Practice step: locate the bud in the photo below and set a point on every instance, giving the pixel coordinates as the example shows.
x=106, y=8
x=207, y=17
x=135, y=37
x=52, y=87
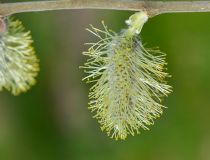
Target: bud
x=3, y=25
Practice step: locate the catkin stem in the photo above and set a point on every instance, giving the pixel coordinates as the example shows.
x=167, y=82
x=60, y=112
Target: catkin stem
x=153, y=8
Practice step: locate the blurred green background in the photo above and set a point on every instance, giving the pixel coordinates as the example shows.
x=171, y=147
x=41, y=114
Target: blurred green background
x=52, y=122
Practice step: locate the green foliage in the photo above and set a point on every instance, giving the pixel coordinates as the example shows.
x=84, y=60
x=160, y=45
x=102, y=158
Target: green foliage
x=129, y=80
x=18, y=62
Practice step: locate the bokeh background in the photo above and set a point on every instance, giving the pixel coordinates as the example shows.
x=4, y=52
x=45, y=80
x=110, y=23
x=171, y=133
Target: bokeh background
x=52, y=122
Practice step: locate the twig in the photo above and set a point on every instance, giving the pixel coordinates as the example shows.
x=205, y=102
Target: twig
x=152, y=7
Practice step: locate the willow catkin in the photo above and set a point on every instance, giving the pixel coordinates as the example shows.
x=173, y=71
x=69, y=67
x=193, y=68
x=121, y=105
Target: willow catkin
x=18, y=63
x=128, y=79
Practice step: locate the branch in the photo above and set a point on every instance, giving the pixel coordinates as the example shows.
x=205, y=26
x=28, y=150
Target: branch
x=153, y=8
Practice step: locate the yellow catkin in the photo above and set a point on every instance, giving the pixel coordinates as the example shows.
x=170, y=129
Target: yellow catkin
x=128, y=79
x=18, y=63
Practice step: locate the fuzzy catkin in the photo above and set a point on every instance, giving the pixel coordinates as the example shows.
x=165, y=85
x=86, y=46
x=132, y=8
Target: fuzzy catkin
x=18, y=63
x=128, y=80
